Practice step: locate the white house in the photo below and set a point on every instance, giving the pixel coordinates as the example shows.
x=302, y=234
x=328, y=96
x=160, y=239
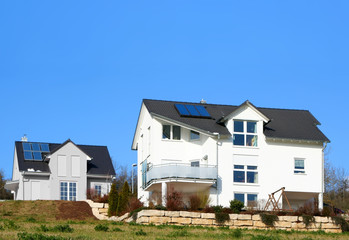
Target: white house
x=233, y=152
x=50, y=171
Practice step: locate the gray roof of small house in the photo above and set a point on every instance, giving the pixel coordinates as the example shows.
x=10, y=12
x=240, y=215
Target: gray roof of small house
x=284, y=123
x=101, y=163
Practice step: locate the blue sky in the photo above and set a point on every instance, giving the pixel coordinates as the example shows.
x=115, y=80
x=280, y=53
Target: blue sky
x=80, y=69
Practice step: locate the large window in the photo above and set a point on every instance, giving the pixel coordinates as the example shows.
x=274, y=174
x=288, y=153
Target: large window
x=171, y=132
x=245, y=133
x=299, y=167
x=245, y=174
x=248, y=199
x=68, y=191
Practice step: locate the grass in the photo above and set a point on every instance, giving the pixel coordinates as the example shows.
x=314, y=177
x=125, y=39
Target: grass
x=35, y=226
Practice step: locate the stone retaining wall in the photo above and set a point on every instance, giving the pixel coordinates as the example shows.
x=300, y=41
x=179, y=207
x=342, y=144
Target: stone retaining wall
x=157, y=217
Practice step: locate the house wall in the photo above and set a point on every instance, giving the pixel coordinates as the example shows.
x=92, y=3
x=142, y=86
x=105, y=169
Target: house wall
x=275, y=160
x=105, y=186
x=69, y=151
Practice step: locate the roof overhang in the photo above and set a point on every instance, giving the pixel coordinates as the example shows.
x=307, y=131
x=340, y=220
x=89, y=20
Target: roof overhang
x=33, y=173
x=251, y=106
x=293, y=140
x=100, y=176
x=11, y=185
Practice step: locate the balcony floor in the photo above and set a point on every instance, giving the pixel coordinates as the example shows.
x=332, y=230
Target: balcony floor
x=182, y=185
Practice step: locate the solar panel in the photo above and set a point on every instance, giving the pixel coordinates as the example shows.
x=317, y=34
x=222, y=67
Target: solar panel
x=44, y=147
x=28, y=155
x=37, y=156
x=26, y=146
x=192, y=110
x=182, y=110
x=35, y=147
x=202, y=110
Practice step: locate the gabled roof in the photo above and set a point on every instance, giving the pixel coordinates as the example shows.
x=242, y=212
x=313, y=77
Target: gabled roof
x=283, y=123
x=101, y=163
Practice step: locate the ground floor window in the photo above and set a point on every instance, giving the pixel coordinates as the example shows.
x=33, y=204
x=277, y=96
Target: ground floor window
x=98, y=190
x=68, y=191
x=248, y=199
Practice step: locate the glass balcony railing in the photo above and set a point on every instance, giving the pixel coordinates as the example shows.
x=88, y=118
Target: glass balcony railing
x=182, y=171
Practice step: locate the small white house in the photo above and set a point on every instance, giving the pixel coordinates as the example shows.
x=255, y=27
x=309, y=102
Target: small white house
x=233, y=152
x=50, y=171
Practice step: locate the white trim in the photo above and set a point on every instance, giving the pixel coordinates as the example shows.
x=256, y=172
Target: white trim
x=248, y=104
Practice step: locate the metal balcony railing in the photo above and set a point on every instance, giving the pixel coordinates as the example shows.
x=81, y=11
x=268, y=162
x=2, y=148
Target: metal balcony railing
x=182, y=171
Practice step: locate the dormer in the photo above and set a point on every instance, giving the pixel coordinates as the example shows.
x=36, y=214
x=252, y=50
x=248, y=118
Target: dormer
x=245, y=124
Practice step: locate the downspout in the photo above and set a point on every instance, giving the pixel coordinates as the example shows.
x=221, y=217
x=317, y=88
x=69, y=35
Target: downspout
x=217, y=144
x=23, y=184
x=323, y=174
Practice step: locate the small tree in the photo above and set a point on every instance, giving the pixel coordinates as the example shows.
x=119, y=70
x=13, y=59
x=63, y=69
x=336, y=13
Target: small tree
x=123, y=198
x=113, y=200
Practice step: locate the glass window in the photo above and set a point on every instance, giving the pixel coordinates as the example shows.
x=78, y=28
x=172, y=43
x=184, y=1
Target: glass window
x=176, y=132
x=238, y=126
x=72, y=191
x=195, y=164
x=64, y=191
x=239, y=166
x=251, y=140
x=239, y=176
x=240, y=197
x=252, y=177
x=245, y=176
x=251, y=127
x=194, y=135
x=166, y=131
x=239, y=139
x=252, y=200
x=98, y=189
x=299, y=166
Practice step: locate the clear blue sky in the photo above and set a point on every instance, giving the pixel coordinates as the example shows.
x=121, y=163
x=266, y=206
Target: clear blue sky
x=80, y=69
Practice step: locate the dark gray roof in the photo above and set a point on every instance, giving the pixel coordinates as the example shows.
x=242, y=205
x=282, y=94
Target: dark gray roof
x=100, y=164
x=284, y=123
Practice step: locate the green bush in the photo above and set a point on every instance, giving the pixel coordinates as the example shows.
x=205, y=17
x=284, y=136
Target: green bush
x=236, y=206
x=264, y=237
x=43, y=228
x=221, y=217
x=37, y=236
x=160, y=207
x=2, y=228
x=116, y=229
x=30, y=219
x=141, y=233
x=113, y=200
x=11, y=225
x=63, y=228
x=341, y=222
x=236, y=233
x=268, y=219
x=307, y=220
x=123, y=199
x=101, y=228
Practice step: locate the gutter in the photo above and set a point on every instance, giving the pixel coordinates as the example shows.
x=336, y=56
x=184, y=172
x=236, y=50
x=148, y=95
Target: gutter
x=99, y=176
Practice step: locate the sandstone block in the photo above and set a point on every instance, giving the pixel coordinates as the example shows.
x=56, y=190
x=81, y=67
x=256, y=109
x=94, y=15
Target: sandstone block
x=189, y=214
x=259, y=224
x=159, y=220
x=123, y=217
x=208, y=215
x=151, y=213
x=243, y=223
x=233, y=216
x=256, y=217
x=181, y=220
x=333, y=230
x=288, y=218
x=244, y=217
x=172, y=213
x=103, y=210
x=296, y=226
x=322, y=219
x=96, y=205
x=329, y=226
x=142, y=220
x=282, y=224
x=200, y=221
x=106, y=205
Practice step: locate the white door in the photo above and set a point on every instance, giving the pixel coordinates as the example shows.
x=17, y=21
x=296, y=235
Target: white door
x=35, y=190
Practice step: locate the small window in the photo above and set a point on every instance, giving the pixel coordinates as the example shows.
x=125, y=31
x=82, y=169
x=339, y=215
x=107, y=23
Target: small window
x=252, y=200
x=238, y=126
x=194, y=135
x=245, y=133
x=243, y=175
x=176, y=132
x=239, y=175
x=98, y=189
x=195, y=164
x=240, y=197
x=166, y=131
x=299, y=166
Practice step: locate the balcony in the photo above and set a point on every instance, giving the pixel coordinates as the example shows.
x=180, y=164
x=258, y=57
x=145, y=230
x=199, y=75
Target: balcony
x=204, y=174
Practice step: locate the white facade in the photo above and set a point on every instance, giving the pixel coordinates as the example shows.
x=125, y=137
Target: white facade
x=270, y=164
x=67, y=180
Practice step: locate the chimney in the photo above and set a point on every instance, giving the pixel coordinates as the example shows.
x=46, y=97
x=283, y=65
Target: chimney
x=24, y=138
x=203, y=101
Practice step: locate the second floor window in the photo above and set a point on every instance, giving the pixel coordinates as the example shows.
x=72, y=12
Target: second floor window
x=245, y=174
x=171, y=132
x=299, y=166
x=245, y=133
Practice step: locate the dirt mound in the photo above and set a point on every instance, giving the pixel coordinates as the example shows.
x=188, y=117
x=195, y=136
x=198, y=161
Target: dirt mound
x=74, y=210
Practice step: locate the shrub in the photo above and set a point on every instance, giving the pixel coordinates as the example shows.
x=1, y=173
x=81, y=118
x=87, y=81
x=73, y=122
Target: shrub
x=327, y=211
x=31, y=219
x=1, y=228
x=43, y=228
x=101, y=228
x=37, y=236
x=236, y=206
x=123, y=199
x=116, y=229
x=236, y=233
x=11, y=225
x=103, y=199
x=91, y=194
x=174, y=201
x=134, y=203
x=113, y=200
x=341, y=222
x=178, y=233
x=194, y=202
x=307, y=219
x=204, y=199
x=264, y=237
x=62, y=228
x=221, y=217
x=268, y=219
x=160, y=207
x=141, y=233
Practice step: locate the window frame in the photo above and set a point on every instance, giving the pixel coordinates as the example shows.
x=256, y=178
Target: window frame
x=98, y=190
x=245, y=194
x=245, y=169
x=68, y=196
x=245, y=134
x=196, y=134
x=299, y=171
x=171, y=133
